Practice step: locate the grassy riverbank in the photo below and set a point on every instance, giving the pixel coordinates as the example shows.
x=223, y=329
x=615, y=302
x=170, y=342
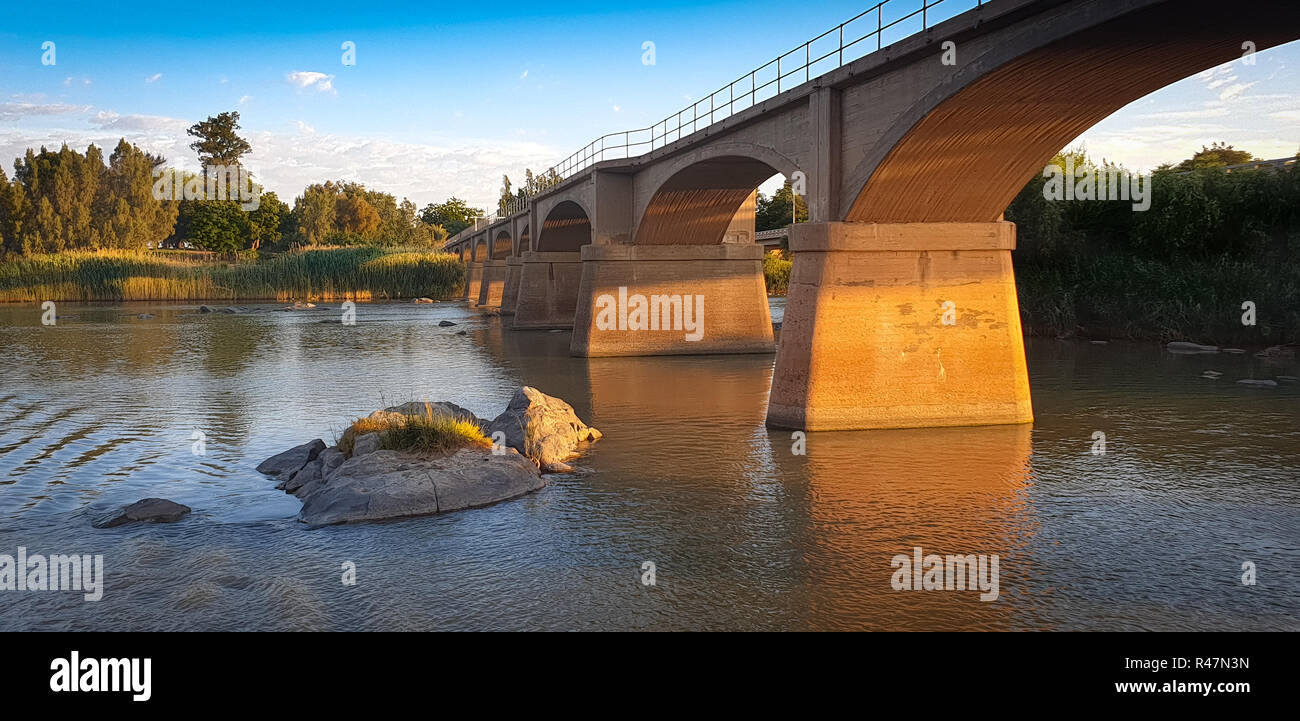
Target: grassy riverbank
x=362, y=273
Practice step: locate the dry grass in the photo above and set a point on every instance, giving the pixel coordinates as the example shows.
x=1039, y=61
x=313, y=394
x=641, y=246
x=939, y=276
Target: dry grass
x=426, y=433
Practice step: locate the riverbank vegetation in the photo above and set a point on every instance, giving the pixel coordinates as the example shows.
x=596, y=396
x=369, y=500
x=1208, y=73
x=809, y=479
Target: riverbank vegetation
x=1182, y=270
x=355, y=273
x=776, y=271
x=65, y=200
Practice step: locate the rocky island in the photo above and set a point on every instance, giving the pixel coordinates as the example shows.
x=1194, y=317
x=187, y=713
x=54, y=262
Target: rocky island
x=421, y=458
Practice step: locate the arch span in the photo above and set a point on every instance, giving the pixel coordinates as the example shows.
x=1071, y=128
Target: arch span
x=566, y=229
x=963, y=151
x=502, y=245
x=524, y=242
x=699, y=197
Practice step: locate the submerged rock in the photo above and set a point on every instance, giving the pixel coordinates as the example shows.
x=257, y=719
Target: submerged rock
x=1185, y=347
x=148, y=510
x=446, y=324
x=282, y=466
x=206, y=309
x=1287, y=350
x=423, y=300
x=542, y=427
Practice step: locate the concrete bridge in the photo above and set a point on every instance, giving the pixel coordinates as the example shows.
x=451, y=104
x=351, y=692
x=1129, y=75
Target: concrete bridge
x=911, y=128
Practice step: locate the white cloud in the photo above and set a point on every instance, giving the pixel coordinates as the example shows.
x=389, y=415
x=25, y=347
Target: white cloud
x=153, y=78
x=309, y=78
x=14, y=111
x=524, y=75
x=243, y=99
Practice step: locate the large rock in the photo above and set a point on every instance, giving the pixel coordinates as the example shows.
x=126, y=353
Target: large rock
x=393, y=484
x=148, y=510
x=282, y=466
x=542, y=427
x=308, y=474
x=364, y=444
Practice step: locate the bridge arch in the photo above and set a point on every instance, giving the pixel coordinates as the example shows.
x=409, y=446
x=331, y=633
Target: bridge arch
x=695, y=197
x=524, y=241
x=479, y=250
x=502, y=245
x=566, y=228
x=964, y=150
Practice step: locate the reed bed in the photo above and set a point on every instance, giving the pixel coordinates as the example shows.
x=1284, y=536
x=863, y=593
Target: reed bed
x=316, y=274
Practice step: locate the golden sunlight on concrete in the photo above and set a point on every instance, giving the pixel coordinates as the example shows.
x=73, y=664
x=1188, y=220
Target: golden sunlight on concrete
x=699, y=299
x=899, y=326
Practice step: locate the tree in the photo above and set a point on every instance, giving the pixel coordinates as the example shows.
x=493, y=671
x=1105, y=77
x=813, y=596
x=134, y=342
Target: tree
x=265, y=221
x=314, y=211
x=217, y=143
x=218, y=225
x=453, y=215
x=356, y=216
x=1216, y=156
x=774, y=212
x=506, y=195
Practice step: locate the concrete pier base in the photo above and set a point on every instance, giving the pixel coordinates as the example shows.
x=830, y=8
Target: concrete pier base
x=898, y=326
x=548, y=290
x=641, y=300
x=493, y=284
x=473, y=282
x=510, y=293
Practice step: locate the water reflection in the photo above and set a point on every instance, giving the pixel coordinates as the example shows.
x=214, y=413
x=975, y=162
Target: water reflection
x=745, y=532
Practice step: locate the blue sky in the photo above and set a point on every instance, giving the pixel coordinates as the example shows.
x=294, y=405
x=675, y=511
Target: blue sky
x=443, y=99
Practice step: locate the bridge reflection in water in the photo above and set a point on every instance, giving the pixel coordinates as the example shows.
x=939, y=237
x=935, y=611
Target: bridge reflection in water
x=686, y=448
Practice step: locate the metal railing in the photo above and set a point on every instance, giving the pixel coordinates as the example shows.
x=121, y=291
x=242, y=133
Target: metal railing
x=760, y=84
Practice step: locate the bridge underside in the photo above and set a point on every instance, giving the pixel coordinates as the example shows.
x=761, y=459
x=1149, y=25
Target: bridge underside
x=902, y=308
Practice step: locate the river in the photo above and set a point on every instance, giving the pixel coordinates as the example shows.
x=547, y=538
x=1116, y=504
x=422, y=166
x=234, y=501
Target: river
x=1198, y=477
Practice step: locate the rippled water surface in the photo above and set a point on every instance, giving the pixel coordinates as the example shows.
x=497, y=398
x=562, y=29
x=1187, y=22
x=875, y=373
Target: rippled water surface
x=1198, y=477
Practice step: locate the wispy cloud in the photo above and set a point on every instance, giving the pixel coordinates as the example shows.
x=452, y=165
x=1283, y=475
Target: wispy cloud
x=15, y=111
x=153, y=78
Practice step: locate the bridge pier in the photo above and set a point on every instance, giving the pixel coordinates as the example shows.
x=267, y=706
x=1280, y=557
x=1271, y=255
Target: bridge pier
x=473, y=282
x=640, y=300
x=493, y=283
x=900, y=325
x=548, y=290
x=510, y=293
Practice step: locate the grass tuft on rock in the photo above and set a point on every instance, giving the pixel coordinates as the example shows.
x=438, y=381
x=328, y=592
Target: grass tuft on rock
x=426, y=433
